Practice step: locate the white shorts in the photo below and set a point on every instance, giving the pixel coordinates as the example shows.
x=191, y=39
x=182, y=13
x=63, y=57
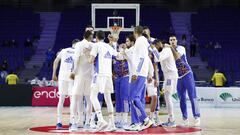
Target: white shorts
x=170, y=85
x=65, y=87
x=82, y=86
x=151, y=89
x=102, y=84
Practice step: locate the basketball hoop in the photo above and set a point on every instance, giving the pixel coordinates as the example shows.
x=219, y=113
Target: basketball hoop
x=115, y=31
x=115, y=28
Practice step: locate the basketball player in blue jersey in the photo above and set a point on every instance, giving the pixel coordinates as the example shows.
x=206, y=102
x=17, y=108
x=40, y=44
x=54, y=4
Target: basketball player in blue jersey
x=121, y=85
x=152, y=88
x=185, y=83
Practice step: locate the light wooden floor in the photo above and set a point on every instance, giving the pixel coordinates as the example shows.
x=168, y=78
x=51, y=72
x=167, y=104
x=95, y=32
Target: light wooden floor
x=17, y=120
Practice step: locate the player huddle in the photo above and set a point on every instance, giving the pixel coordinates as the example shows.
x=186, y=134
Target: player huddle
x=90, y=67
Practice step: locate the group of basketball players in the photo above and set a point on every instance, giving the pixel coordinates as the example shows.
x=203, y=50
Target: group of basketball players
x=90, y=67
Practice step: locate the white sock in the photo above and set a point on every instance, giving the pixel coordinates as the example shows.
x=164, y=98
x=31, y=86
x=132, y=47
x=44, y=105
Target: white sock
x=146, y=119
x=126, y=106
x=92, y=117
x=169, y=105
x=80, y=110
x=88, y=109
x=118, y=117
x=151, y=115
x=80, y=118
x=111, y=119
x=60, y=108
x=108, y=101
x=95, y=101
x=73, y=109
x=156, y=113
x=125, y=118
x=99, y=115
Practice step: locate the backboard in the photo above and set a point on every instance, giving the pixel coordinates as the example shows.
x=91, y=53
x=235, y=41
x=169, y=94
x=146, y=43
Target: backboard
x=126, y=16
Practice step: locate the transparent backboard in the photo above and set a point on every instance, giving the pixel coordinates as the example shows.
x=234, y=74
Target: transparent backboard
x=126, y=16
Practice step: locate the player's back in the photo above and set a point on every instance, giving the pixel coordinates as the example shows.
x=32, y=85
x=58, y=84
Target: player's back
x=141, y=46
x=84, y=68
x=103, y=65
x=66, y=65
x=168, y=65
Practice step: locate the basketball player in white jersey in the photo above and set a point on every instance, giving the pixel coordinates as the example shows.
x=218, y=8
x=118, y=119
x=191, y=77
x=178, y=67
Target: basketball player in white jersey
x=138, y=59
x=102, y=80
x=170, y=73
x=82, y=75
x=93, y=119
x=64, y=82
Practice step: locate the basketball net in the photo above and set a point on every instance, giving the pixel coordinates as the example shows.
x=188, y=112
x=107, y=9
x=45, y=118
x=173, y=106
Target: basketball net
x=115, y=31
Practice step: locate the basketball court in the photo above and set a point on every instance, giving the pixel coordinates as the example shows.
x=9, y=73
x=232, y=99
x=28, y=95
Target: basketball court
x=42, y=120
x=219, y=107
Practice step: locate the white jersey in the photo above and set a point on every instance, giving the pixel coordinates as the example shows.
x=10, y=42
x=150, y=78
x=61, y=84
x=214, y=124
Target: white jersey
x=167, y=61
x=103, y=53
x=130, y=60
x=138, y=56
x=151, y=68
x=66, y=66
x=82, y=53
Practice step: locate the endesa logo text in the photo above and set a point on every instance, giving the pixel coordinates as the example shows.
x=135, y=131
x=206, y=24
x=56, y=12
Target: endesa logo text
x=46, y=94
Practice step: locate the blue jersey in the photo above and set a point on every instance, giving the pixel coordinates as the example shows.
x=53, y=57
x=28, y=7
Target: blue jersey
x=120, y=68
x=182, y=64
